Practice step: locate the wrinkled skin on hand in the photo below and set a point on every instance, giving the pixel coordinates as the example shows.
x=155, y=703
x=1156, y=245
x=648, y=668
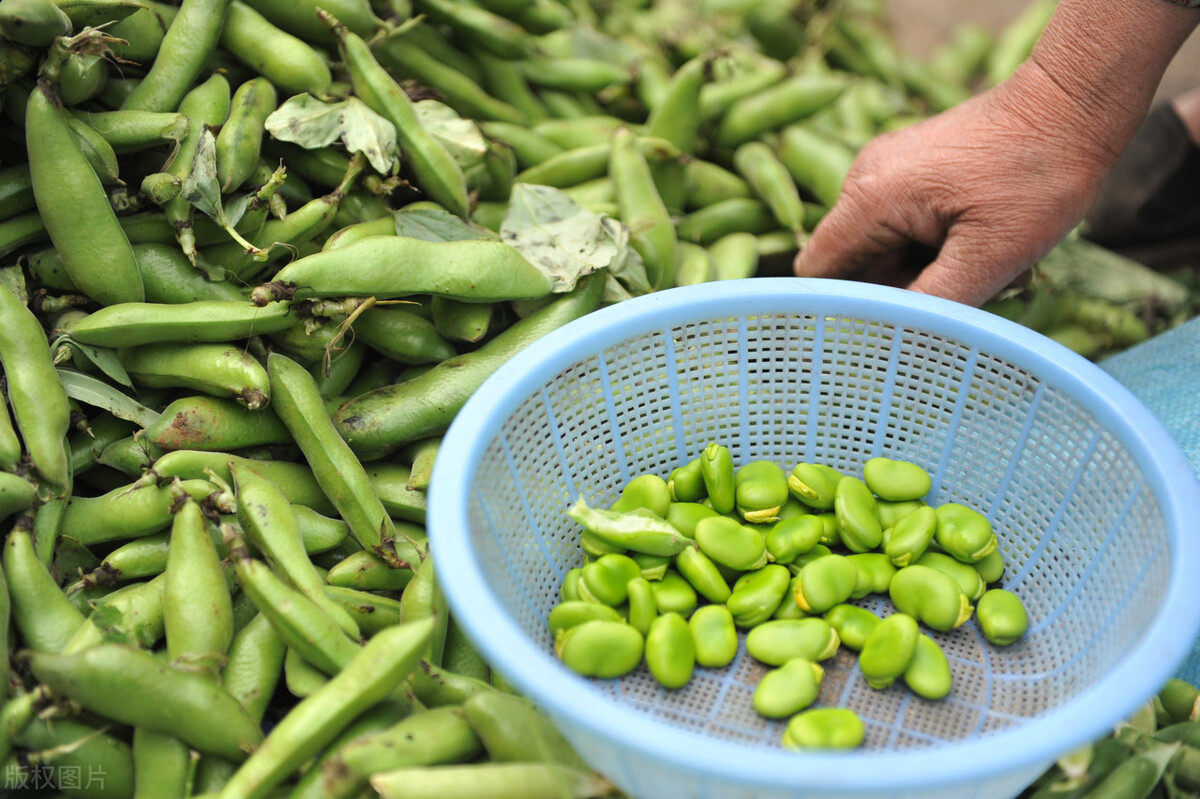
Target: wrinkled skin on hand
x=993, y=184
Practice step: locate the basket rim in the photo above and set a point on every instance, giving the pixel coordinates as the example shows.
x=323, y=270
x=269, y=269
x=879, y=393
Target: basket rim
x=571, y=700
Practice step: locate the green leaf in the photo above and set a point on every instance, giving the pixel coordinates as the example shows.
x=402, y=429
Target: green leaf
x=562, y=239
x=437, y=224
x=461, y=137
x=202, y=188
x=99, y=394
x=102, y=358
x=313, y=123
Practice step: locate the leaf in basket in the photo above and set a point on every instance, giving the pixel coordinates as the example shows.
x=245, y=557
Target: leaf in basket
x=438, y=224
x=313, y=123
x=461, y=137
x=102, y=358
x=566, y=241
x=99, y=394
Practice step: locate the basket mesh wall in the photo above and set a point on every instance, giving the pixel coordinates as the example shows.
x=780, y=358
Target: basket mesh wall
x=1080, y=531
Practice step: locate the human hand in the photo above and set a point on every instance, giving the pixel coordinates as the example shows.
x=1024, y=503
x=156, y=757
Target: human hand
x=991, y=185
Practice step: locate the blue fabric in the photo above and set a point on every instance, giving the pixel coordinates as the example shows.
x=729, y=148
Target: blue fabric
x=1164, y=373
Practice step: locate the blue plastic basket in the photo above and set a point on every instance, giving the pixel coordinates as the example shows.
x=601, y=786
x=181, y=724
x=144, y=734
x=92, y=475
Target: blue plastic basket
x=1089, y=496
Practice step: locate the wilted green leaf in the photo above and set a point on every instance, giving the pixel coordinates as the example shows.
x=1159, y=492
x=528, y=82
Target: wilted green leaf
x=461, y=137
x=102, y=358
x=313, y=123
x=564, y=240
x=202, y=188
x=99, y=394
x=437, y=224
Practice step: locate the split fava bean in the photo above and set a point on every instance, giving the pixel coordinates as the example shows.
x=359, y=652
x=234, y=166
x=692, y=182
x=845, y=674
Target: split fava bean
x=964, y=533
x=910, y=537
x=888, y=650
x=1002, y=616
x=646, y=492
x=756, y=595
x=674, y=594
x=814, y=484
x=670, y=650
x=732, y=544
x=928, y=673
x=896, y=481
x=607, y=578
x=824, y=728
x=603, y=649
x=790, y=538
x=643, y=607
x=714, y=636
x=856, y=515
x=788, y=689
x=825, y=582
x=760, y=490
x=702, y=575
x=716, y=467
x=931, y=597
x=686, y=483
x=778, y=641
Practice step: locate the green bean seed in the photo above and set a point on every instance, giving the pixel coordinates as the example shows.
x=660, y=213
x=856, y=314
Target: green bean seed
x=1002, y=616
x=603, y=649
x=825, y=582
x=760, y=489
x=907, y=541
x=896, y=481
x=714, y=636
x=889, y=650
x=857, y=516
x=778, y=641
x=674, y=594
x=731, y=544
x=931, y=597
x=788, y=689
x=824, y=728
x=716, y=467
x=875, y=573
x=647, y=491
x=756, y=595
x=964, y=533
x=815, y=484
x=670, y=650
x=928, y=674
x=967, y=578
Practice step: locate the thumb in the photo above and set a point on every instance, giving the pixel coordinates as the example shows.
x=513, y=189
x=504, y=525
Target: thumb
x=853, y=238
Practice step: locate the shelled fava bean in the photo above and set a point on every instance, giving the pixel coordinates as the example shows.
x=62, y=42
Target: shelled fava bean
x=781, y=556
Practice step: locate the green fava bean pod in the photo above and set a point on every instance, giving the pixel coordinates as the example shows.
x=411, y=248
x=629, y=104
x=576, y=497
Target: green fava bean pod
x=670, y=651
x=338, y=472
x=45, y=619
x=965, y=575
x=888, y=650
x=185, y=48
x=789, y=101
x=221, y=370
x=569, y=590
x=731, y=544
x=642, y=209
x=197, y=608
x=34, y=23
x=824, y=728
x=928, y=674
x=825, y=582
x=684, y=516
x=512, y=730
x=875, y=573
x=778, y=641
x=674, y=594
x=771, y=181
x=787, y=690
x=607, y=578
x=760, y=491
x=1002, y=616
x=132, y=687
x=931, y=597
x=281, y=58
x=756, y=595
x=572, y=613
x=817, y=161
x=857, y=516
x=240, y=139
x=791, y=538
x=440, y=735
x=852, y=624
x=75, y=208
x=714, y=636
x=160, y=765
x=204, y=321
x=437, y=172
x=67, y=746
x=638, y=530
x=212, y=424
x=648, y=491
x=255, y=662
x=907, y=541
x=602, y=649
x=643, y=607
x=716, y=467
x=372, y=675
x=491, y=781
x=815, y=484
x=896, y=481
x=964, y=533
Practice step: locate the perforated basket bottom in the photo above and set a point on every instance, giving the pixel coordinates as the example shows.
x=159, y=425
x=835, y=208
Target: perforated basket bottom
x=1081, y=532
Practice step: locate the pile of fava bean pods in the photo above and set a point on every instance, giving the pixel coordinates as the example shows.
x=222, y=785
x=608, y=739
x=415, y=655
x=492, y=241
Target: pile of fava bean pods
x=778, y=539
x=212, y=485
